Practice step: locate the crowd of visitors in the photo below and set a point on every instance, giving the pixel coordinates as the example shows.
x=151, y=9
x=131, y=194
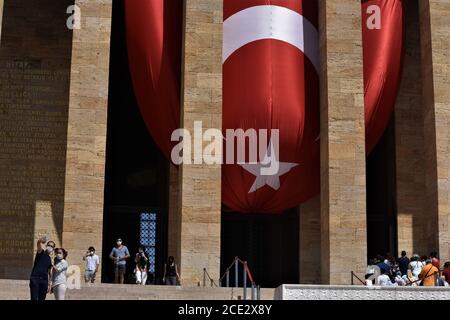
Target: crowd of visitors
x=403, y=271
x=48, y=275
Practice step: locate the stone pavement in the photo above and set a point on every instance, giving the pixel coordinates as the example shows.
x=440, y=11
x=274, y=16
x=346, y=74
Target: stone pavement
x=18, y=290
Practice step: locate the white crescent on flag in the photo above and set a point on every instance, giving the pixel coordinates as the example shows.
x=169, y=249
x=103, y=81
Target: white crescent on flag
x=270, y=22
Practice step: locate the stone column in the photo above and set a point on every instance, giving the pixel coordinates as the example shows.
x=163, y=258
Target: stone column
x=1, y=19
x=173, y=212
x=309, y=235
x=409, y=143
x=200, y=184
x=343, y=182
x=86, y=140
x=435, y=46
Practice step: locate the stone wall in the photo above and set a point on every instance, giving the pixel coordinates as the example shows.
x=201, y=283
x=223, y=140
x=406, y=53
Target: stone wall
x=35, y=57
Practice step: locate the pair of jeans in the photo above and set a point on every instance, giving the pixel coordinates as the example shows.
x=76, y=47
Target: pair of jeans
x=171, y=281
x=38, y=288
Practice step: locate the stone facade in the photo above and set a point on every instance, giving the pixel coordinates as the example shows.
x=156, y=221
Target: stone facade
x=342, y=136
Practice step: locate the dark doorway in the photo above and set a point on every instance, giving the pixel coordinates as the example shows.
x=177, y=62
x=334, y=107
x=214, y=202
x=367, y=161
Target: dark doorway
x=269, y=243
x=136, y=178
x=381, y=197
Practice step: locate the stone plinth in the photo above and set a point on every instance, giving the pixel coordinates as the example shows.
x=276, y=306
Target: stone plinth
x=299, y=292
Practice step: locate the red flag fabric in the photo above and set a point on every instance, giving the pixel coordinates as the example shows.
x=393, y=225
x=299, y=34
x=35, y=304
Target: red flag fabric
x=270, y=81
x=270, y=74
x=383, y=41
x=154, y=38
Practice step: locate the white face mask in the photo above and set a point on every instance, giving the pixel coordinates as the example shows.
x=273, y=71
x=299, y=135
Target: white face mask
x=119, y=243
x=92, y=253
x=59, y=256
x=49, y=249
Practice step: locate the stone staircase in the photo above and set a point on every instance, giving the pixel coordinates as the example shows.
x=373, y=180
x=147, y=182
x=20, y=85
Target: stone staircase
x=18, y=290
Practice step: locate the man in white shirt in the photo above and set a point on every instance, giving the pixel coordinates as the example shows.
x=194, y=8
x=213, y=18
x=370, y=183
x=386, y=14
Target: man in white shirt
x=92, y=263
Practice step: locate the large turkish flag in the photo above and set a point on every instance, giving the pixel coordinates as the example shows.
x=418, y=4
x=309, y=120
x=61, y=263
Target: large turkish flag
x=270, y=81
x=270, y=74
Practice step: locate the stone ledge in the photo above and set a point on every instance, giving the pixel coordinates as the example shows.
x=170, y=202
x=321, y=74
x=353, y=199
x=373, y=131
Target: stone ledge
x=19, y=290
x=320, y=292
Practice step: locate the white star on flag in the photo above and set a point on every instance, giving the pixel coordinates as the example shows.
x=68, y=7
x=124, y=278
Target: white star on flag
x=273, y=180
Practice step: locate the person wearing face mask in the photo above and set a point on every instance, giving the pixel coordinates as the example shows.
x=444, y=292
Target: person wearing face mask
x=59, y=269
x=141, y=267
x=119, y=254
x=92, y=263
x=41, y=272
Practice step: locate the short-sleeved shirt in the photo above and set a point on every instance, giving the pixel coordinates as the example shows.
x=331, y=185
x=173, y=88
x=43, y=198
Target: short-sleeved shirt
x=92, y=262
x=427, y=275
x=416, y=267
x=384, y=267
x=42, y=264
x=385, y=281
x=59, y=275
x=120, y=252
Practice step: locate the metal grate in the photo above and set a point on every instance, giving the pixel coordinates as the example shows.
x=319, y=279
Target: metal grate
x=148, y=237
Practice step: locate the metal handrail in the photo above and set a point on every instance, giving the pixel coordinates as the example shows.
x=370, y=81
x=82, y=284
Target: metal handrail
x=206, y=274
x=246, y=275
x=355, y=276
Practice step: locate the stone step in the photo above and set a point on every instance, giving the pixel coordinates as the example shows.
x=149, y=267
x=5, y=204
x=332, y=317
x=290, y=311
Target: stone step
x=19, y=290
